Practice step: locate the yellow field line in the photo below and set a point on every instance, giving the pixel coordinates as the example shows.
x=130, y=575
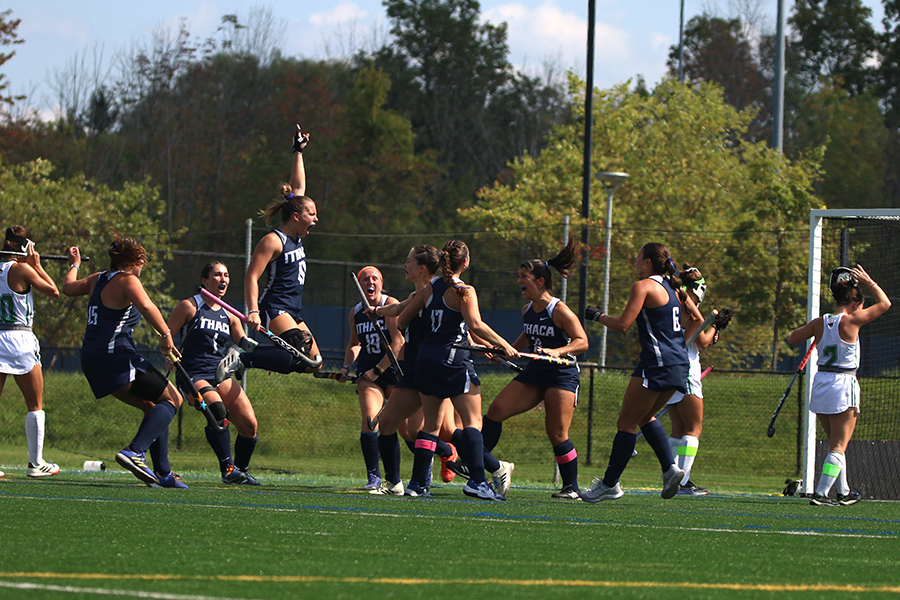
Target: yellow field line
x=767, y=587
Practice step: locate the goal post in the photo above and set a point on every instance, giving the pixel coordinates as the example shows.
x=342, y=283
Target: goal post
x=846, y=237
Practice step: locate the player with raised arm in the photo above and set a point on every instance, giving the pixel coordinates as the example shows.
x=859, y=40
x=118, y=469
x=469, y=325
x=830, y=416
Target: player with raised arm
x=20, y=351
x=655, y=303
x=450, y=309
x=376, y=376
x=111, y=363
x=550, y=327
x=206, y=329
x=834, y=398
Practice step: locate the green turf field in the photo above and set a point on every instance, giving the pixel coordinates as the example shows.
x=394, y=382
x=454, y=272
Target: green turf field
x=79, y=535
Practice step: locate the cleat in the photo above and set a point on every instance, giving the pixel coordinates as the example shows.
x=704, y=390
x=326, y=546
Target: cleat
x=134, y=462
x=230, y=365
x=232, y=474
x=458, y=467
x=417, y=491
x=692, y=490
x=568, y=492
x=446, y=474
x=503, y=477
x=847, y=499
x=672, y=481
x=44, y=469
x=483, y=490
x=600, y=491
x=249, y=479
x=170, y=481
x=388, y=489
x=373, y=483
x=819, y=500
x=2, y=474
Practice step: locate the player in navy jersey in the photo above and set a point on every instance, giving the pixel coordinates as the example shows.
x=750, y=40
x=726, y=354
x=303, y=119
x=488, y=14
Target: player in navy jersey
x=20, y=352
x=206, y=331
x=550, y=328
x=110, y=360
x=834, y=397
x=450, y=310
x=280, y=254
x=376, y=375
x=655, y=304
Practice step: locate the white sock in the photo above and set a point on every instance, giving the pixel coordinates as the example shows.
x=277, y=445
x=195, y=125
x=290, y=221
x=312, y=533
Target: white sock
x=831, y=470
x=674, y=442
x=842, y=486
x=34, y=434
x=687, y=452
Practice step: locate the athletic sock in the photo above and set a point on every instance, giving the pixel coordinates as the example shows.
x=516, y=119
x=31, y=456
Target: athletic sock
x=831, y=470
x=423, y=455
x=34, y=435
x=567, y=459
x=270, y=358
x=674, y=442
x=389, y=449
x=843, y=487
x=155, y=422
x=456, y=438
x=471, y=449
x=656, y=437
x=243, y=451
x=491, y=431
x=443, y=449
x=623, y=447
x=411, y=444
x=159, y=453
x=491, y=464
x=368, y=440
x=220, y=442
x=685, y=455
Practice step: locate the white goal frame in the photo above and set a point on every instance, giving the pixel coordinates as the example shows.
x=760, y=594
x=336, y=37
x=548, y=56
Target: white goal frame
x=814, y=279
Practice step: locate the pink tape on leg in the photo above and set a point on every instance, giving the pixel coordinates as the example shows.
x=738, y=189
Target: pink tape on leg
x=426, y=444
x=567, y=457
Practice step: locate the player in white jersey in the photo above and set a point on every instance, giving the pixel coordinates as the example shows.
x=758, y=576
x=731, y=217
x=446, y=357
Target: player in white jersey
x=835, y=391
x=20, y=353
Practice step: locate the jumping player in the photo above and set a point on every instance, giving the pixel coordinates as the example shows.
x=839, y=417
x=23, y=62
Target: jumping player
x=377, y=375
x=450, y=310
x=206, y=330
x=111, y=363
x=281, y=255
x=551, y=328
x=20, y=352
x=661, y=369
x=835, y=390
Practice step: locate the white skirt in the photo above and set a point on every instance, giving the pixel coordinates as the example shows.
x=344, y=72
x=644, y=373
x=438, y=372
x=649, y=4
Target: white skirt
x=20, y=352
x=834, y=393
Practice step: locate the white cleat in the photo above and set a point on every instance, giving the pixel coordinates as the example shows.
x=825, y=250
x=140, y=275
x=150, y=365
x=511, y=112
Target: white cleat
x=600, y=491
x=672, y=481
x=503, y=477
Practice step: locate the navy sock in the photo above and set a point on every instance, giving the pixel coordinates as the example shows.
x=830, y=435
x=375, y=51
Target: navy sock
x=159, y=453
x=221, y=445
x=456, y=438
x=491, y=463
x=270, y=358
x=243, y=451
x=411, y=444
x=490, y=431
x=443, y=449
x=155, y=422
x=389, y=448
x=424, y=454
x=567, y=460
x=368, y=440
x=623, y=447
x=659, y=441
x=471, y=449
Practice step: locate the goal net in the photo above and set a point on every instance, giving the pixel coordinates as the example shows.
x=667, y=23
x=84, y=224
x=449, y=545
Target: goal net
x=869, y=238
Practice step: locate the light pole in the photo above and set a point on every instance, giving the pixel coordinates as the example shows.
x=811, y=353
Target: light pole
x=611, y=182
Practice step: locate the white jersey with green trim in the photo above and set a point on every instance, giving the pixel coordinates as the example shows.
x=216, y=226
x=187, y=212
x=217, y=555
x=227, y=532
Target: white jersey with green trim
x=834, y=351
x=16, y=308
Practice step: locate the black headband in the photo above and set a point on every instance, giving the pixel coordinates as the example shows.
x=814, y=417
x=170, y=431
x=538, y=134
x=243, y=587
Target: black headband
x=16, y=238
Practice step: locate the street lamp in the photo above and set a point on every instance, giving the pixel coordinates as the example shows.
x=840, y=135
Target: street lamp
x=611, y=182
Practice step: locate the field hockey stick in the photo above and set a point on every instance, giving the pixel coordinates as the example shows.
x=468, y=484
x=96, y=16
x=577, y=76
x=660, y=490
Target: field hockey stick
x=771, y=431
x=277, y=341
x=565, y=362
x=706, y=323
x=334, y=375
x=58, y=257
x=374, y=320
x=665, y=409
x=508, y=363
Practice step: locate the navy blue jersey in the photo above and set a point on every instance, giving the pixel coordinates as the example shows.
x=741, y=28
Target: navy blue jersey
x=283, y=292
x=204, y=339
x=444, y=327
x=413, y=336
x=661, y=335
x=108, y=330
x=371, y=348
x=542, y=332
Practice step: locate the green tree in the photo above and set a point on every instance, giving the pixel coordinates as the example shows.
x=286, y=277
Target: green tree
x=8, y=37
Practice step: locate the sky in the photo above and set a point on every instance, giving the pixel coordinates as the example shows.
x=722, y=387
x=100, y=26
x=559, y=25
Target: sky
x=632, y=37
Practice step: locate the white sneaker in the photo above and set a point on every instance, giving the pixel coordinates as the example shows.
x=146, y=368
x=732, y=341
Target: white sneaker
x=672, y=481
x=482, y=490
x=503, y=477
x=386, y=488
x=600, y=491
x=44, y=469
